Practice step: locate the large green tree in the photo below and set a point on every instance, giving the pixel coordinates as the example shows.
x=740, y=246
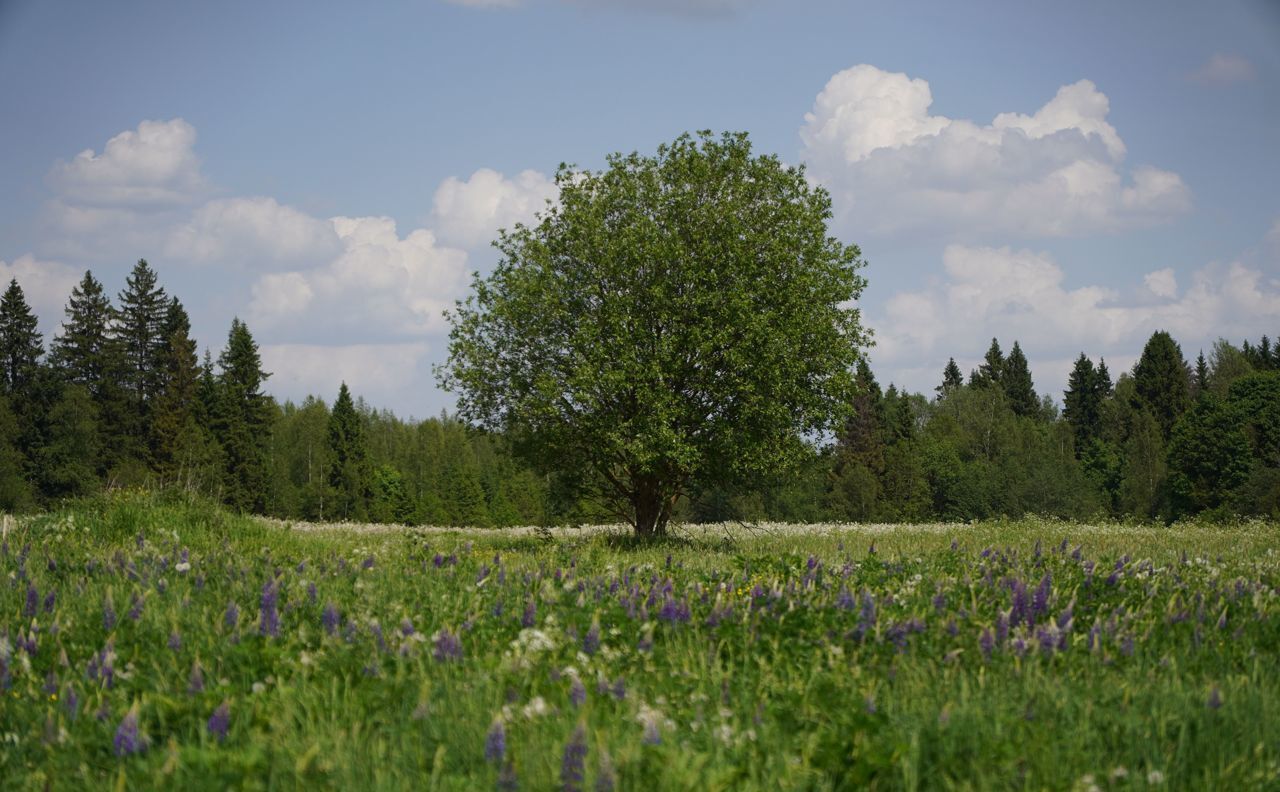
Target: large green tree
x=139, y=331
x=674, y=319
x=20, y=345
x=1016, y=381
x=1162, y=380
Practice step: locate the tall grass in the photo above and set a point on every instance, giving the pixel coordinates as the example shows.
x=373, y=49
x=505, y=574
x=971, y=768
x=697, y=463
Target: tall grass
x=1031, y=654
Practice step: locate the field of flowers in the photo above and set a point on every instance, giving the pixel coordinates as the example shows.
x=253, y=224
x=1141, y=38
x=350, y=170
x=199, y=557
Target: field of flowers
x=147, y=643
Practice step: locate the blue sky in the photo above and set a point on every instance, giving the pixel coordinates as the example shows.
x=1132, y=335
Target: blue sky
x=1074, y=176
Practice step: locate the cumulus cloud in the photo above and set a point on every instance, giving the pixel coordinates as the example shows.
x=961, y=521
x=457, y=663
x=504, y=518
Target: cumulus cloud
x=255, y=231
x=379, y=372
x=46, y=286
x=153, y=165
x=469, y=213
x=1224, y=69
x=894, y=167
x=379, y=285
x=1021, y=294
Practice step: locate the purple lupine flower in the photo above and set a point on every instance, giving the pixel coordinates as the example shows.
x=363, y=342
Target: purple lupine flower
x=220, y=720
x=311, y=592
x=986, y=642
x=71, y=700
x=619, y=688
x=175, y=640
x=448, y=647
x=1077, y=553
x=196, y=683
x=573, y=763
x=378, y=638
x=495, y=743
x=1222, y=620
x=127, y=740
x=1215, y=698
x=845, y=600
x=1048, y=640
x=329, y=618
x=1040, y=601
x=1020, y=609
x=269, y=610
x=591, y=641
x=1002, y=627
x=674, y=611
x=33, y=601
x=50, y=684
x=1126, y=645
x=50, y=601
x=530, y=616
x=367, y=563
x=108, y=614
x=406, y=627
x=940, y=602
x=577, y=692
x=232, y=617
x=135, y=607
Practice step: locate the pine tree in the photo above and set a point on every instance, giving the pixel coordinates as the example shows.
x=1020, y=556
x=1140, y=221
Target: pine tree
x=177, y=417
x=349, y=477
x=67, y=459
x=1015, y=377
x=1200, y=380
x=1162, y=381
x=952, y=379
x=15, y=491
x=20, y=346
x=242, y=420
x=1080, y=406
x=139, y=331
x=82, y=352
x=991, y=372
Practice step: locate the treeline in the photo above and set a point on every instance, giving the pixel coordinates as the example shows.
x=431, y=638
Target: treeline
x=1164, y=441
x=120, y=398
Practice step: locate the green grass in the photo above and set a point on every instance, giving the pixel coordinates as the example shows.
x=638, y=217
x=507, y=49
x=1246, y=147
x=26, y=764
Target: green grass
x=790, y=685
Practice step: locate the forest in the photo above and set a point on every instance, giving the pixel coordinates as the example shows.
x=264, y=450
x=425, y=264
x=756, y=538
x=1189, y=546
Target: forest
x=121, y=398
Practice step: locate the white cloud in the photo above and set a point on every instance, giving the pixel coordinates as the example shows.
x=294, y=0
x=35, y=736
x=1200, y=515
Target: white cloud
x=1020, y=295
x=894, y=167
x=382, y=373
x=1162, y=283
x=46, y=285
x=379, y=285
x=154, y=165
x=469, y=213
x=254, y=232
x=1224, y=69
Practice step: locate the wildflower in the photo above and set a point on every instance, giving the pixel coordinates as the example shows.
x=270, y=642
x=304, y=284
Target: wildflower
x=495, y=743
x=330, y=618
x=71, y=700
x=577, y=692
x=196, y=683
x=1215, y=698
x=232, y=617
x=447, y=646
x=311, y=592
x=269, y=614
x=591, y=641
x=619, y=689
x=220, y=720
x=406, y=627
x=367, y=563
x=108, y=614
x=536, y=708
x=50, y=601
x=33, y=601
x=530, y=616
x=175, y=641
x=651, y=719
x=574, y=760
x=986, y=642
x=127, y=740
x=1155, y=777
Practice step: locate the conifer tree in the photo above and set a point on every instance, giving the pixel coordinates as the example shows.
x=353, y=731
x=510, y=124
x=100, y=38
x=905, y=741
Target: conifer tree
x=991, y=372
x=179, y=437
x=15, y=491
x=82, y=352
x=242, y=420
x=138, y=330
x=67, y=459
x=348, y=460
x=20, y=346
x=1015, y=378
x=952, y=379
x=1162, y=381
x=1200, y=380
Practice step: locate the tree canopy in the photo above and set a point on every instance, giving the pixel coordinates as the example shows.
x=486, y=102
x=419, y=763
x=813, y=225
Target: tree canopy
x=674, y=319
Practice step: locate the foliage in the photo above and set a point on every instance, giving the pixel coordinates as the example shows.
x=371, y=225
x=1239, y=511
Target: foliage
x=675, y=321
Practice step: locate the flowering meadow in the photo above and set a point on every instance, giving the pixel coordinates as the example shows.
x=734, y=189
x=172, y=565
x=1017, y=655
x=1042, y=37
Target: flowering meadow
x=148, y=643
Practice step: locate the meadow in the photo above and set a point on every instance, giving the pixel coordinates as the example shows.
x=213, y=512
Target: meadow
x=151, y=642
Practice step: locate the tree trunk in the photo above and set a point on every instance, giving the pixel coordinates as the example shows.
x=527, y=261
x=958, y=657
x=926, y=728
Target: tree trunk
x=652, y=508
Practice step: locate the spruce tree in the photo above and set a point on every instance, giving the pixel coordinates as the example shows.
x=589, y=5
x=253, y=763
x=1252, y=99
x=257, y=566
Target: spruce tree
x=1162, y=381
x=82, y=352
x=349, y=478
x=67, y=459
x=952, y=379
x=139, y=331
x=991, y=372
x=1080, y=406
x=20, y=347
x=1200, y=380
x=15, y=490
x=177, y=417
x=243, y=418
x=1015, y=378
